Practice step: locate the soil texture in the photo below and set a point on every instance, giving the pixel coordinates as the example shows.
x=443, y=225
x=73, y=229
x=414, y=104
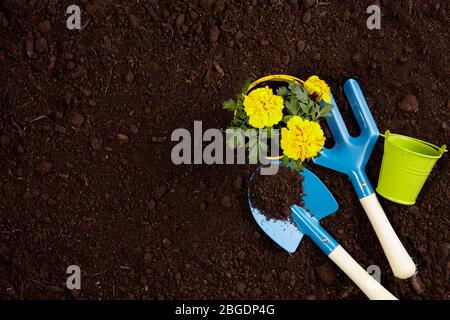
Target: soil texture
x=86, y=117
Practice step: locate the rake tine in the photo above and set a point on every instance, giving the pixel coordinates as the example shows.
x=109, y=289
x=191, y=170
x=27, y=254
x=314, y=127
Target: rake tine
x=360, y=109
x=337, y=125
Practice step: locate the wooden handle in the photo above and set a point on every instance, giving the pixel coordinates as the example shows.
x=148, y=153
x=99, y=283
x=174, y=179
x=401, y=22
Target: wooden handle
x=371, y=288
x=401, y=263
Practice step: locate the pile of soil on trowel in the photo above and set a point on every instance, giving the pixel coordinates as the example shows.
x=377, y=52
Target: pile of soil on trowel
x=274, y=194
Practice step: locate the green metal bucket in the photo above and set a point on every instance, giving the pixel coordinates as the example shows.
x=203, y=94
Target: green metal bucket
x=405, y=167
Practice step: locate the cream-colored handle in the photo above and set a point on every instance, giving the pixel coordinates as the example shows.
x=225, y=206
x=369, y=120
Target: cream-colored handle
x=401, y=263
x=371, y=288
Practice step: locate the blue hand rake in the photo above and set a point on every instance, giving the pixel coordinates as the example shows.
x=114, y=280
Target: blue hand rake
x=288, y=234
x=350, y=156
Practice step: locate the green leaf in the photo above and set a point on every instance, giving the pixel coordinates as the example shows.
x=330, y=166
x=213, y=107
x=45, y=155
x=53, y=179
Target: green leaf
x=292, y=106
x=282, y=91
x=311, y=105
x=292, y=85
x=301, y=94
x=263, y=147
x=247, y=83
x=253, y=155
x=252, y=142
x=325, y=110
x=298, y=92
x=229, y=105
x=296, y=165
x=303, y=107
x=284, y=161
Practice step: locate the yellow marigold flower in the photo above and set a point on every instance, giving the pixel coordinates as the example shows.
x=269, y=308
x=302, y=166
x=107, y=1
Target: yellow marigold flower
x=318, y=89
x=263, y=107
x=302, y=139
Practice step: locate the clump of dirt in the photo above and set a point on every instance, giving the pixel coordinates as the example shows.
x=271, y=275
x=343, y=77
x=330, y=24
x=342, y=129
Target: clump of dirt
x=274, y=194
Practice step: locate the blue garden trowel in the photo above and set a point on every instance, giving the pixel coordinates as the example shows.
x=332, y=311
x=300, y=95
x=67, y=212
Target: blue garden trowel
x=350, y=156
x=320, y=202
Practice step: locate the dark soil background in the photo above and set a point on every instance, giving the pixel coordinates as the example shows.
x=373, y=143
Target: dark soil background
x=85, y=122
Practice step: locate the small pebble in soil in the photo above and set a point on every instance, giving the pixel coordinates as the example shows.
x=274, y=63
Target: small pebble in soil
x=219, y=6
x=158, y=139
x=134, y=129
x=122, y=138
x=76, y=119
x=286, y=211
x=3, y=248
x=151, y=204
x=257, y=292
x=51, y=63
x=264, y=42
x=129, y=76
x=96, y=143
x=160, y=191
x=76, y=293
x=60, y=129
x=344, y=293
x=301, y=44
x=41, y=45
x=166, y=242
x=45, y=167
x=286, y=59
x=417, y=284
x=214, y=33
x=70, y=65
x=308, y=3
x=327, y=273
x=395, y=84
x=409, y=103
x=179, y=21
x=219, y=69
x=4, y=139
x=317, y=56
x=414, y=210
x=29, y=44
x=241, y=286
x=86, y=92
x=357, y=58
x=226, y=201
x=306, y=17
x=134, y=21
x=78, y=72
x=237, y=184
x=285, y=276
x=44, y=26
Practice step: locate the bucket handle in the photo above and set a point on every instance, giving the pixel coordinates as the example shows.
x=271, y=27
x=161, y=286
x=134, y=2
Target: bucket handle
x=275, y=77
x=440, y=149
